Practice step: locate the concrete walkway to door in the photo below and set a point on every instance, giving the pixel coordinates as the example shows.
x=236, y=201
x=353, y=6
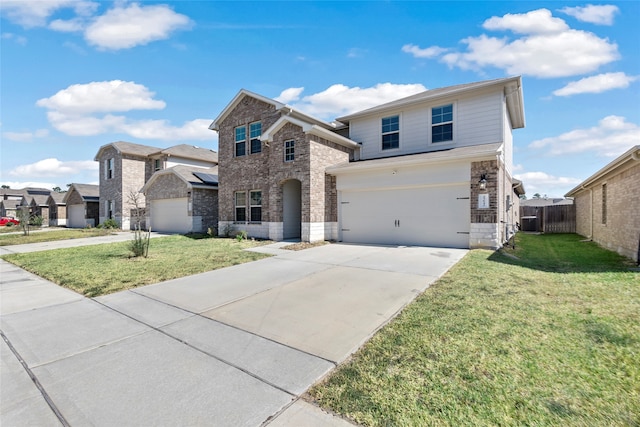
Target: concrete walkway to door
x=236, y=346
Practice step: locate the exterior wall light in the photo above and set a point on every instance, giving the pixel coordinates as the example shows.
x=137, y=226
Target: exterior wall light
x=483, y=182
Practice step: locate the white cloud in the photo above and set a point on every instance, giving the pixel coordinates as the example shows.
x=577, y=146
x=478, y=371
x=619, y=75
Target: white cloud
x=535, y=22
x=544, y=183
x=417, y=52
x=597, y=84
x=25, y=136
x=35, y=13
x=356, y=52
x=114, y=95
x=17, y=185
x=594, y=14
x=546, y=47
x=87, y=110
x=53, y=167
x=126, y=26
x=67, y=26
x=339, y=100
x=611, y=137
x=18, y=39
x=291, y=94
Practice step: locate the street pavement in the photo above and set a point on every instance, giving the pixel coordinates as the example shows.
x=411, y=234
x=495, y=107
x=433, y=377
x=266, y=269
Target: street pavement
x=232, y=347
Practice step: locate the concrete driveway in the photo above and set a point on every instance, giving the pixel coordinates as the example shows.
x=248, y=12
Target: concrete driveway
x=234, y=347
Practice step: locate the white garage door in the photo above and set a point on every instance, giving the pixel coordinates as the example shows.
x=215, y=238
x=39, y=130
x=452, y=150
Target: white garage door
x=76, y=216
x=426, y=216
x=170, y=216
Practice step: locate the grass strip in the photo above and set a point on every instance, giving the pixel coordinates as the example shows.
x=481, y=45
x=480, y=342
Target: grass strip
x=102, y=269
x=50, y=236
x=550, y=338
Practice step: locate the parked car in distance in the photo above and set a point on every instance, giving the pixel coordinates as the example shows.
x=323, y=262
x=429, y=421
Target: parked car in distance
x=8, y=220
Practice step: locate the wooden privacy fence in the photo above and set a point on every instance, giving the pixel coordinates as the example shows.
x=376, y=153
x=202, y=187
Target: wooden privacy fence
x=548, y=219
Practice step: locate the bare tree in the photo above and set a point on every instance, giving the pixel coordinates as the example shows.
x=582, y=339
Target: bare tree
x=140, y=244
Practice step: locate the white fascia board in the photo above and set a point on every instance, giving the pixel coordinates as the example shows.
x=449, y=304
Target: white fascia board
x=307, y=128
x=417, y=159
x=633, y=154
x=236, y=100
x=515, y=103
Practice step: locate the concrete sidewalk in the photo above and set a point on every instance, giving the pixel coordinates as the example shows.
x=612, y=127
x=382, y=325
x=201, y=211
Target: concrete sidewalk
x=236, y=346
x=116, y=236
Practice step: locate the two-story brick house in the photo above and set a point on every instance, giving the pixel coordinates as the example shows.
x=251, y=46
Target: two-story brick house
x=431, y=169
x=126, y=167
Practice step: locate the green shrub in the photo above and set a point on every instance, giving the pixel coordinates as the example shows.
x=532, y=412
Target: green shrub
x=241, y=235
x=36, y=220
x=110, y=223
x=10, y=224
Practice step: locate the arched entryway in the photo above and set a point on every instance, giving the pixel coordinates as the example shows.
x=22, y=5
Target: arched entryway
x=292, y=209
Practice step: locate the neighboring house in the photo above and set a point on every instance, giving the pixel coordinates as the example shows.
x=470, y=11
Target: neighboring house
x=182, y=199
x=608, y=205
x=431, y=169
x=126, y=167
x=82, y=205
x=546, y=202
x=57, y=209
x=11, y=199
x=38, y=206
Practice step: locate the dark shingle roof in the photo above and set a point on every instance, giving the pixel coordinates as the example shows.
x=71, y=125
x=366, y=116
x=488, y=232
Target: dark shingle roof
x=191, y=152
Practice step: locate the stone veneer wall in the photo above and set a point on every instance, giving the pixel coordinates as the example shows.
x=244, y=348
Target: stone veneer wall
x=484, y=230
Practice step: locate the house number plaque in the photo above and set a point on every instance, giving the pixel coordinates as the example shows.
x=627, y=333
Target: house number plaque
x=483, y=201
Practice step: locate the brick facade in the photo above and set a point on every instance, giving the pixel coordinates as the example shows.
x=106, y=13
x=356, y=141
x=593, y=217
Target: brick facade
x=620, y=230
x=268, y=172
x=202, y=202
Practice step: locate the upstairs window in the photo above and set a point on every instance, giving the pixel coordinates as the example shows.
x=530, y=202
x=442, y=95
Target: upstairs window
x=109, y=168
x=442, y=123
x=256, y=205
x=241, y=206
x=255, y=130
x=241, y=141
x=390, y=132
x=289, y=151
x=157, y=165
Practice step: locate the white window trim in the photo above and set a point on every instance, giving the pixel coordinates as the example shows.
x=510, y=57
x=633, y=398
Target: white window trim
x=454, y=123
x=249, y=151
x=293, y=150
x=236, y=206
x=253, y=206
x=380, y=133
x=236, y=141
x=109, y=166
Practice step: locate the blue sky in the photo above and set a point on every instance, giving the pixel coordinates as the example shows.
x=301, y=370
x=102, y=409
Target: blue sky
x=76, y=75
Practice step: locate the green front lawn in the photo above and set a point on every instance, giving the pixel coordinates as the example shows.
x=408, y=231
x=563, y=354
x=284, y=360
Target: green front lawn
x=102, y=269
x=48, y=236
x=549, y=336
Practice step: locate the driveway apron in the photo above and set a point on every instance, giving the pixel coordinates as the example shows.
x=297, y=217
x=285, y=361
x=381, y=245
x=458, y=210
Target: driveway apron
x=231, y=347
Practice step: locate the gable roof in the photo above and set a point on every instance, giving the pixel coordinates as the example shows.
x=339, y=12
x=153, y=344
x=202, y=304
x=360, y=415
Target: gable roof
x=630, y=156
x=283, y=108
x=38, y=199
x=130, y=148
x=191, y=152
x=88, y=192
x=307, y=128
x=192, y=176
x=57, y=198
x=512, y=87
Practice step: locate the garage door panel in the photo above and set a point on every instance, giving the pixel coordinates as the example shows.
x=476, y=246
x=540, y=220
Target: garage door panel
x=170, y=216
x=428, y=216
x=76, y=216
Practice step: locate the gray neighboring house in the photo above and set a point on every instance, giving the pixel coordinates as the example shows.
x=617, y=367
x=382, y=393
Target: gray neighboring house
x=57, y=209
x=82, y=202
x=546, y=202
x=126, y=167
x=182, y=199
